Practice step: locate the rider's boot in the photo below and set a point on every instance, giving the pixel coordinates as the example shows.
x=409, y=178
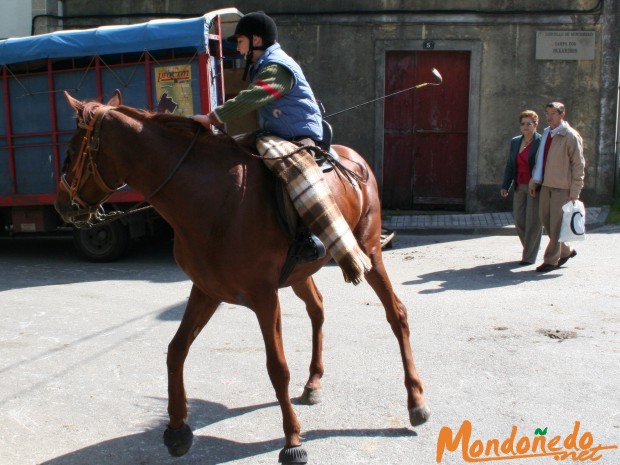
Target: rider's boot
x=309, y=248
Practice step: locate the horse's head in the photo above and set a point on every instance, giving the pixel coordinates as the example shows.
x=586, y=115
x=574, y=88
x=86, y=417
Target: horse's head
x=82, y=185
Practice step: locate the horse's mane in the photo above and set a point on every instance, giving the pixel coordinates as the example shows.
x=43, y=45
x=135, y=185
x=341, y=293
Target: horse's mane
x=181, y=125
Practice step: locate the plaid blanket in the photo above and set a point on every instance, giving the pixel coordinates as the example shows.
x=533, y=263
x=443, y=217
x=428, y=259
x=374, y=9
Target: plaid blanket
x=315, y=204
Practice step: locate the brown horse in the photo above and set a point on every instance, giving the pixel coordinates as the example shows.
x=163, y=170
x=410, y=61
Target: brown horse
x=220, y=201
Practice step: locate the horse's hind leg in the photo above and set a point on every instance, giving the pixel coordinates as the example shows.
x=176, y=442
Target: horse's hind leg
x=311, y=296
x=200, y=308
x=396, y=314
x=270, y=322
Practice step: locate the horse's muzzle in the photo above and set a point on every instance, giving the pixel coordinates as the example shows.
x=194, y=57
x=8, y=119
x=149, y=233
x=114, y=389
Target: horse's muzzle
x=64, y=209
x=73, y=214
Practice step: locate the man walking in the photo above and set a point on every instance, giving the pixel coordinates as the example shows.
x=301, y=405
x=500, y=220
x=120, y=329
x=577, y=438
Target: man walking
x=560, y=168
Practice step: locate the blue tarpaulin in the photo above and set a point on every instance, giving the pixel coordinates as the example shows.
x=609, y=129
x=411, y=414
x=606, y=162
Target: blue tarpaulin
x=153, y=35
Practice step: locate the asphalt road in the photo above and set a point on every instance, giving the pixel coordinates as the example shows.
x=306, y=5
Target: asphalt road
x=83, y=347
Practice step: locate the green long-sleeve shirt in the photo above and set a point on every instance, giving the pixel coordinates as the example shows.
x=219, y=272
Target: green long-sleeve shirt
x=271, y=83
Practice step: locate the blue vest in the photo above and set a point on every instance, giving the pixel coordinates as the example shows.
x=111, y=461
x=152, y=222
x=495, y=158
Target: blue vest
x=296, y=114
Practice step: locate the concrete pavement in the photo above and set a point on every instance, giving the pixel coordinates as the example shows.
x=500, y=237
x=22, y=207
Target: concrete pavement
x=83, y=351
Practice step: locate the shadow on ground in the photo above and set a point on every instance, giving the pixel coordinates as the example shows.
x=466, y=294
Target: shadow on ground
x=147, y=448
x=480, y=277
x=48, y=261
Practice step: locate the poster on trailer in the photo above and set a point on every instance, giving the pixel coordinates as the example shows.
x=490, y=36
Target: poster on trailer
x=174, y=89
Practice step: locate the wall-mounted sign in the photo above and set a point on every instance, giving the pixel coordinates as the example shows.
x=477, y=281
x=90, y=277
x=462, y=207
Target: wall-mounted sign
x=565, y=45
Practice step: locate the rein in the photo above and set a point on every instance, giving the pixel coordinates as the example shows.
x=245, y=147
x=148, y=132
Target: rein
x=86, y=158
x=340, y=169
x=86, y=167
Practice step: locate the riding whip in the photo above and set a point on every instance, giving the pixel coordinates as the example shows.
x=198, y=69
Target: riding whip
x=435, y=73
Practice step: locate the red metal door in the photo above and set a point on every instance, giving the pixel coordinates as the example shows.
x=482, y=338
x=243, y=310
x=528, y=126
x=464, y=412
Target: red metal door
x=425, y=134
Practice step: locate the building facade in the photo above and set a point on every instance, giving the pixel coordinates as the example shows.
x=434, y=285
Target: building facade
x=438, y=146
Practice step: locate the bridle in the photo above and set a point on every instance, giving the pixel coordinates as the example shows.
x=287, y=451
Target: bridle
x=84, y=169
x=91, y=213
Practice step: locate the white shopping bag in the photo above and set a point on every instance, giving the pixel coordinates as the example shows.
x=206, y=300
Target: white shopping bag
x=573, y=222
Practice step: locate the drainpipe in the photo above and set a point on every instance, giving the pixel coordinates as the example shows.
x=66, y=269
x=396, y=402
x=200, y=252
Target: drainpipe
x=608, y=165
x=61, y=14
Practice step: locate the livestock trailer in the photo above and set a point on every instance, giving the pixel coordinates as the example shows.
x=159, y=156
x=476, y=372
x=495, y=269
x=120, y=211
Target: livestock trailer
x=169, y=65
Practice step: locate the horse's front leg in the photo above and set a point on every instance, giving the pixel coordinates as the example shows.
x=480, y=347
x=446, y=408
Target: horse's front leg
x=200, y=308
x=310, y=295
x=396, y=314
x=270, y=322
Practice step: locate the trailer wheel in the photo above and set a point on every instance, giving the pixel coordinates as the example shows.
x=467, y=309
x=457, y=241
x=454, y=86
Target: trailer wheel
x=104, y=243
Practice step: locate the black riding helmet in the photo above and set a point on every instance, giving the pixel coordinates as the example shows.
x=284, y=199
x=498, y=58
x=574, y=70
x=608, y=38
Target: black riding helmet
x=256, y=24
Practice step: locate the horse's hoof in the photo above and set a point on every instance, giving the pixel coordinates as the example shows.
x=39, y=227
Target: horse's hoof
x=295, y=454
x=419, y=415
x=311, y=396
x=178, y=441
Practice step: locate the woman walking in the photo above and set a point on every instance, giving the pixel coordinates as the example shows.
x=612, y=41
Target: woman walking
x=517, y=174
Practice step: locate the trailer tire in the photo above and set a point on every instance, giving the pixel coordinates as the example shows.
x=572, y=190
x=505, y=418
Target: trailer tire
x=105, y=243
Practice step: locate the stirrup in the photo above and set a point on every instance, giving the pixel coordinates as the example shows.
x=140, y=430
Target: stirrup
x=309, y=248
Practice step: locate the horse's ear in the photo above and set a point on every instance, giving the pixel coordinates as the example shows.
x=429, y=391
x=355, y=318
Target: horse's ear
x=74, y=103
x=116, y=100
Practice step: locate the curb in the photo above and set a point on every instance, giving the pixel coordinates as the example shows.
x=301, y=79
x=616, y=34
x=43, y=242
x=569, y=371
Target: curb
x=495, y=224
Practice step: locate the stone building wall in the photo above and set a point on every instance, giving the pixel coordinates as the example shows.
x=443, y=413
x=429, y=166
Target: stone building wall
x=339, y=45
